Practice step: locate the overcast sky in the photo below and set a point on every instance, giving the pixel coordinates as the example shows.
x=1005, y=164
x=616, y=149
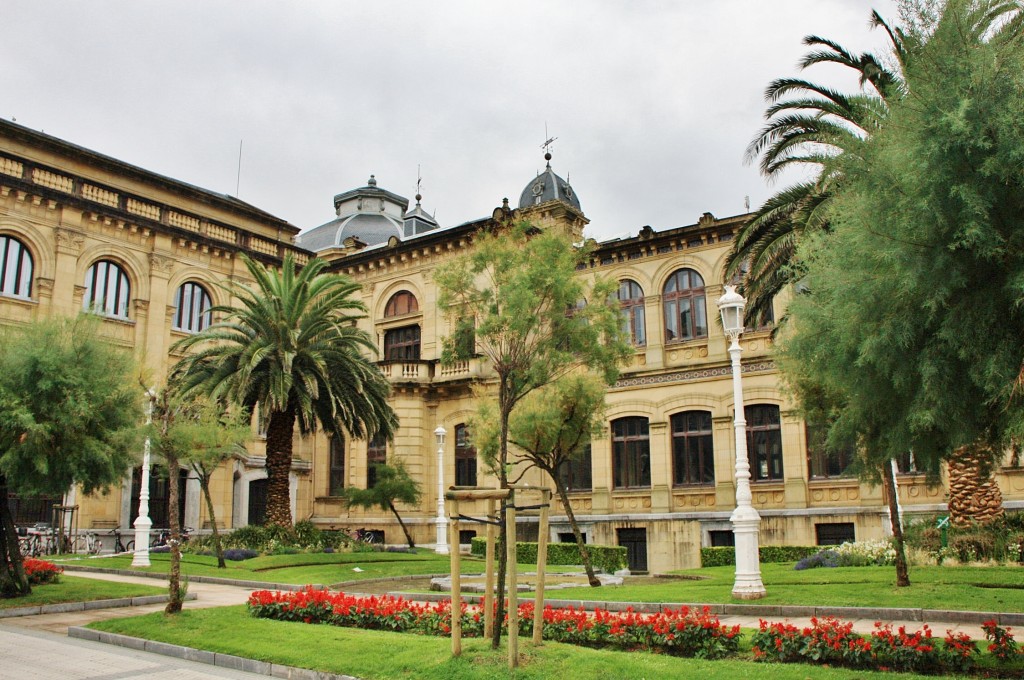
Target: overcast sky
x=652, y=103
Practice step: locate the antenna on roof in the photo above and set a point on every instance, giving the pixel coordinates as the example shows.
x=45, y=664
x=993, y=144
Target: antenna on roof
x=419, y=180
x=238, y=175
x=746, y=202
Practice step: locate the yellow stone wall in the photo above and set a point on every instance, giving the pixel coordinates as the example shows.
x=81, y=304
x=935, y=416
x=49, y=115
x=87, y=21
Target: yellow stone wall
x=71, y=207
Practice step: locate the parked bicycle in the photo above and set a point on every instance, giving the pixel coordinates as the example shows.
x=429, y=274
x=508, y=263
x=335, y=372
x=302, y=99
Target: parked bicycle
x=361, y=535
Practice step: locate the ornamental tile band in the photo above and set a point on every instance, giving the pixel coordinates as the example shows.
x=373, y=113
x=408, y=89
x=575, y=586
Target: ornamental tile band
x=698, y=374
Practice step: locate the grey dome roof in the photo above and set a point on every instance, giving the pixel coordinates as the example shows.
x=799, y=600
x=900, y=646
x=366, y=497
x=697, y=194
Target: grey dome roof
x=370, y=229
x=368, y=214
x=547, y=186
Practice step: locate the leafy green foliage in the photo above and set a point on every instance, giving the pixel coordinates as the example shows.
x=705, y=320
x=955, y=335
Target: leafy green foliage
x=69, y=412
x=809, y=126
x=607, y=558
x=911, y=332
x=291, y=348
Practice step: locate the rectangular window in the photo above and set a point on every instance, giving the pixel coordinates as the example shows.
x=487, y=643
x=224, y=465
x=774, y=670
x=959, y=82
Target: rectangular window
x=764, y=442
x=336, y=485
x=576, y=474
x=376, y=454
x=465, y=458
x=835, y=533
x=692, y=449
x=631, y=453
x=402, y=344
x=822, y=464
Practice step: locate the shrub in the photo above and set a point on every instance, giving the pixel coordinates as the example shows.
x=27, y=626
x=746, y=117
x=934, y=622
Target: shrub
x=1001, y=642
x=41, y=572
x=607, y=558
x=239, y=554
x=726, y=556
x=825, y=558
x=270, y=539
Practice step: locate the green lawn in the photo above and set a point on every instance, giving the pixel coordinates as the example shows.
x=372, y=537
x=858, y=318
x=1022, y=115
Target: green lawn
x=230, y=630
x=997, y=589
x=324, y=568
x=73, y=589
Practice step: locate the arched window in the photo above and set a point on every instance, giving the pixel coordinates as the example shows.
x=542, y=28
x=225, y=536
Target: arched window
x=692, y=449
x=631, y=301
x=402, y=302
x=15, y=268
x=465, y=458
x=686, y=315
x=191, y=308
x=106, y=290
x=631, y=453
x=376, y=454
x=402, y=344
x=336, y=485
x=764, y=442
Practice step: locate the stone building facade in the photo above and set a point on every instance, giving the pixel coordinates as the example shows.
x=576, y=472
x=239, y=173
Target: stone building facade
x=79, y=229
x=83, y=231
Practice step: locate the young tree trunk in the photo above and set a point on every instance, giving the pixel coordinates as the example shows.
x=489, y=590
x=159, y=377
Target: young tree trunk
x=408, y=536
x=505, y=409
x=889, y=482
x=204, y=484
x=584, y=553
x=279, y=465
x=13, y=581
x=173, y=483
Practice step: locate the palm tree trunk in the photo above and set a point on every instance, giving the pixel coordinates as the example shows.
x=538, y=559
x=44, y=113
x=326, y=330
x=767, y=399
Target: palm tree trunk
x=279, y=465
x=13, y=581
x=584, y=553
x=889, y=482
x=204, y=484
x=974, y=495
x=408, y=536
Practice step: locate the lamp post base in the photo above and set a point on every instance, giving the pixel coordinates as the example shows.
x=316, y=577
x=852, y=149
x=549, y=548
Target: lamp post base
x=748, y=585
x=142, y=530
x=441, y=547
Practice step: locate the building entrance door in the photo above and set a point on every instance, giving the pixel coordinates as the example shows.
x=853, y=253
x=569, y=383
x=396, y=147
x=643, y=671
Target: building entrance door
x=635, y=543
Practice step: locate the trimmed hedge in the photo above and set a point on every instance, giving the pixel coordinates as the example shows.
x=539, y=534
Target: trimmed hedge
x=723, y=557
x=607, y=558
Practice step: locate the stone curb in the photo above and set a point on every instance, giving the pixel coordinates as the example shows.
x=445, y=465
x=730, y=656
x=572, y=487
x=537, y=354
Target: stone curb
x=935, y=616
x=216, y=580
x=202, y=656
x=65, y=607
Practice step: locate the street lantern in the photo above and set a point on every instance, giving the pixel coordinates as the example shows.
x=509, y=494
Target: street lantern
x=745, y=520
x=441, y=544
x=143, y=523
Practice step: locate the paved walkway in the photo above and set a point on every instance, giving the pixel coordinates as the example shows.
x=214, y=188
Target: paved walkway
x=37, y=647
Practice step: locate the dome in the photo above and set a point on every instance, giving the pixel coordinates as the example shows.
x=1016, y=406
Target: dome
x=547, y=186
x=370, y=229
x=368, y=214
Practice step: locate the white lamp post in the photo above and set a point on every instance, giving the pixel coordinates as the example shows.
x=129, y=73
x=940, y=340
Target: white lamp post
x=745, y=519
x=143, y=523
x=442, y=521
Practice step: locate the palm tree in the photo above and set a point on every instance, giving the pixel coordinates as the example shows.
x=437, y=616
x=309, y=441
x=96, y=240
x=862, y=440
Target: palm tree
x=808, y=125
x=293, y=350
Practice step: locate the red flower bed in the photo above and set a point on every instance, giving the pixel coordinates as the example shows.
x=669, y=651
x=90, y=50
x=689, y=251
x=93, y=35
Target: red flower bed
x=40, y=572
x=682, y=632
x=833, y=642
